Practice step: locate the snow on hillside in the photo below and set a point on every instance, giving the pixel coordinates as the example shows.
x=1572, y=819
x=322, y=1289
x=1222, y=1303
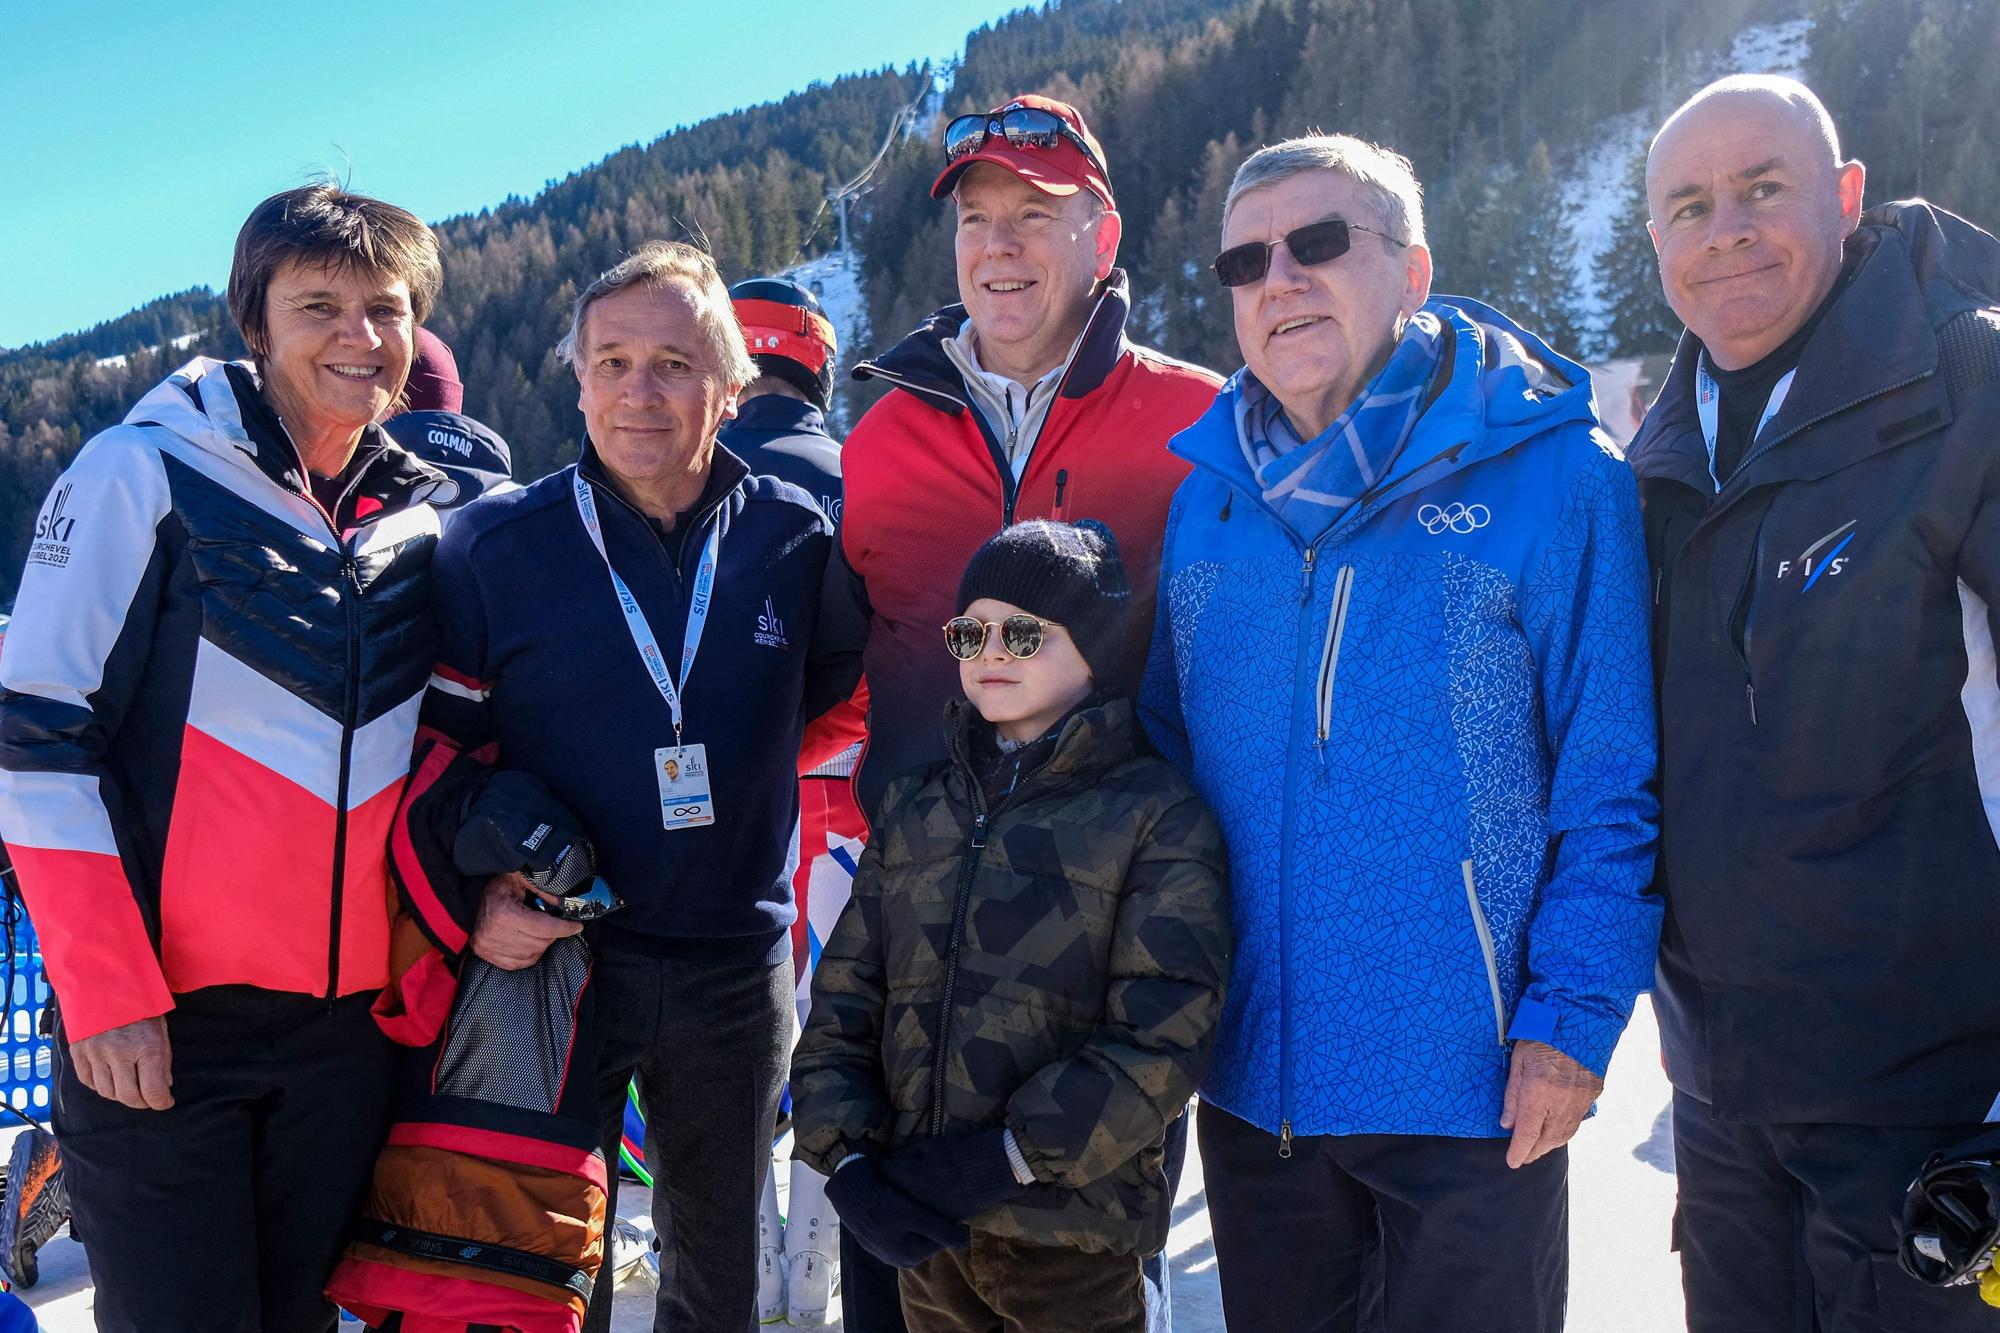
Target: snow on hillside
x=176, y=343
x=836, y=281
x=1594, y=192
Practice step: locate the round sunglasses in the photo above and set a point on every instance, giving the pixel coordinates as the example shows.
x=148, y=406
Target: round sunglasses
x=1020, y=635
x=1314, y=243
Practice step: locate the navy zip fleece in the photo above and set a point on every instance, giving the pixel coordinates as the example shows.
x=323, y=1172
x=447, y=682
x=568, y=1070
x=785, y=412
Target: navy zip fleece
x=536, y=658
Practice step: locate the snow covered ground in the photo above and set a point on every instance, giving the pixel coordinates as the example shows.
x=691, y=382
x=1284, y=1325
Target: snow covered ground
x=1622, y=1280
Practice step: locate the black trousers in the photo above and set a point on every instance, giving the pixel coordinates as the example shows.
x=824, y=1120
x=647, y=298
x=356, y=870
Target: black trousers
x=1792, y=1228
x=708, y=1044
x=226, y=1213
x=870, y=1297
x=1401, y=1233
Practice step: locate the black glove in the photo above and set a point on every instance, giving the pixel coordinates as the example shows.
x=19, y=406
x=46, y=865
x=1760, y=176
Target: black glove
x=513, y=824
x=960, y=1175
x=889, y=1224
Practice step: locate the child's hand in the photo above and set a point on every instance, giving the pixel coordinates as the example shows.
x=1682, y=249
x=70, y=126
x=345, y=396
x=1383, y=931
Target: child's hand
x=960, y=1175
x=890, y=1225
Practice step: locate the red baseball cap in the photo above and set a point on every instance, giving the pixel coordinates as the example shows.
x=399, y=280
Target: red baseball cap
x=1061, y=170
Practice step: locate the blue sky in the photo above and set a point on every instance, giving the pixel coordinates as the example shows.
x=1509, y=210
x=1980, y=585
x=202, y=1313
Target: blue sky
x=134, y=138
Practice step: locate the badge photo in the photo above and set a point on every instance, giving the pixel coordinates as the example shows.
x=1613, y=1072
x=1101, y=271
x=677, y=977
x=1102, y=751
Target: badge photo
x=685, y=799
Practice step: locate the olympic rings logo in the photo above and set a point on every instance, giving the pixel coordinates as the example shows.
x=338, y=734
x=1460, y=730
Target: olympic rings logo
x=1454, y=517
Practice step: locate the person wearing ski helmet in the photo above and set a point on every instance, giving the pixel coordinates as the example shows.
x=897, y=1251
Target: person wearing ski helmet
x=790, y=336
x=780, y=430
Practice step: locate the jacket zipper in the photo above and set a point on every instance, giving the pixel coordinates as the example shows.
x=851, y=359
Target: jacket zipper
x=1329, y=656
x=350, y=599
x=942, y=1056
x=1746, y=608
x=981, y=820
x=1062, y=484
x=1486, y=950
x=1299, y=703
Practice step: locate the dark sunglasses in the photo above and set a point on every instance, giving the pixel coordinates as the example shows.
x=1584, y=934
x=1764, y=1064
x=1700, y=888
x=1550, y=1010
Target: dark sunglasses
x=1314, y=243
x=1023, y=127
x=1020, y=635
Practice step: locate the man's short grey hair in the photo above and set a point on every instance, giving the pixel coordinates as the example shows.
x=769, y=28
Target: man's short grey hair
x=1384, y=175
x=656, y=264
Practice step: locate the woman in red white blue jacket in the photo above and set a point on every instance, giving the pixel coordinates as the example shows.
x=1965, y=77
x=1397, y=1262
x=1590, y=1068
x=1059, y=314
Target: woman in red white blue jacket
x=211, y=691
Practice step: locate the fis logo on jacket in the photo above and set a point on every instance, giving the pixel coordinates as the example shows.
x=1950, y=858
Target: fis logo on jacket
x=1823, y=559
x=770, y=629
x=53, y=531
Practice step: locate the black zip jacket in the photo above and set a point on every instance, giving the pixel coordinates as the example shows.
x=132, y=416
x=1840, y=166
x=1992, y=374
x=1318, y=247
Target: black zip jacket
x=536, y=658
x=1830, y=715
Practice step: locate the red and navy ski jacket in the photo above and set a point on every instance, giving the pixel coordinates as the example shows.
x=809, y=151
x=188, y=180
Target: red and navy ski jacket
x=927, y=483
x=211, y=691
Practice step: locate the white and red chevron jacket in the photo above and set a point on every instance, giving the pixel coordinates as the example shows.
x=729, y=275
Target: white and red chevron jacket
x=211, y=694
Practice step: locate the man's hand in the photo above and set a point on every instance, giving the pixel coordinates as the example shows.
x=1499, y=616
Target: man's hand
x=132, y=1064
x=1548, y=1095
x=511, y=935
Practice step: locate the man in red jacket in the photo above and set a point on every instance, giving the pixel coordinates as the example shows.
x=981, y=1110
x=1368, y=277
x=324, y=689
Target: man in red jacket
x=1026, y=400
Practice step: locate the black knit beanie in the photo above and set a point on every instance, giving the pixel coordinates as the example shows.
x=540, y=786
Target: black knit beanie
x=1066, y=572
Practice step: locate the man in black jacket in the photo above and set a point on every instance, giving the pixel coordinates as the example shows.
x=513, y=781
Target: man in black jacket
x=1822, y=504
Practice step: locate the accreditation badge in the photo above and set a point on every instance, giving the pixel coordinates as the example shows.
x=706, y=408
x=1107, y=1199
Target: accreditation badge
x=685, y=798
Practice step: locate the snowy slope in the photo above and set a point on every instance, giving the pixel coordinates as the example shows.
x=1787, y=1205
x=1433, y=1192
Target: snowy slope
x=1594, y=190
x=176, y=343
x=836, y=280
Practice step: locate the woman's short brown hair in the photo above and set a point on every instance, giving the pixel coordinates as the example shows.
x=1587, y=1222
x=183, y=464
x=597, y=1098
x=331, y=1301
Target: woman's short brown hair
x=322, y=224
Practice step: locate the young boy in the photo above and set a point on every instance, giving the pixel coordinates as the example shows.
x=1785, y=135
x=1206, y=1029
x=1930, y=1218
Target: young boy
x=1024, y=989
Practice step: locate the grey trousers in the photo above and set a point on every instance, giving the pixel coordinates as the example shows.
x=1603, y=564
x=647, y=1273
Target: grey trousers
x=708, y=1045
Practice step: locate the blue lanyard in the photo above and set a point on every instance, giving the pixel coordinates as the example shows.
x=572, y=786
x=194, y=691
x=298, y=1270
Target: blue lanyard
x=643, y=637
x=1706, y=408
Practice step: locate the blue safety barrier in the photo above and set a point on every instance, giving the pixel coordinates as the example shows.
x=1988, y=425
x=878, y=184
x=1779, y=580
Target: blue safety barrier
x=26, y=1071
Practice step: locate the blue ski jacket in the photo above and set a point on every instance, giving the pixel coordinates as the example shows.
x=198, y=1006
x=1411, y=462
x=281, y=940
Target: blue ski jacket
x=1428, y=733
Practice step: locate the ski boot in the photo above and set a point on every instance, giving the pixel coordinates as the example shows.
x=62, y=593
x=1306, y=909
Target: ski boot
x=770, y=1254
x=36, y=1204
x=812, y=1249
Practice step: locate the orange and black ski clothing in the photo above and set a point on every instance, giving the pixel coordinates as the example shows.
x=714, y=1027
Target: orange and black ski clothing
x=490, y=1199
x=927, y=482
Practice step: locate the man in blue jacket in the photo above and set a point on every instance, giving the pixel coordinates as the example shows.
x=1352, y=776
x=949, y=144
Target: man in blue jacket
x=642, y=632
x=1401, y=650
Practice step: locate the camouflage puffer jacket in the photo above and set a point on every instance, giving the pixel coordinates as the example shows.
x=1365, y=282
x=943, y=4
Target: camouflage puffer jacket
x=1055, y=965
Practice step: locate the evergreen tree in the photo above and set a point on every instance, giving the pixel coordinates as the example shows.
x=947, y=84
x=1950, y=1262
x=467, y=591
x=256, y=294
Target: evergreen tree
x=1638, y=320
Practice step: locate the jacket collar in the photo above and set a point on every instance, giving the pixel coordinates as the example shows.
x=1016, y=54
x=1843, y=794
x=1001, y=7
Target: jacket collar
x=779, y=415
x=726, y=473
x=920, y=364
x=1497, y=386
x=221, y=408
x=1880, y=337
x=1095, y=737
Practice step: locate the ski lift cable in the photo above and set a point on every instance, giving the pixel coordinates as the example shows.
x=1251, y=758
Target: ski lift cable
x=858, y=185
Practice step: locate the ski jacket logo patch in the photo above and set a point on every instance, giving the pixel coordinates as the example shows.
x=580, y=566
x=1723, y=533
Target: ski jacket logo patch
x=53, y=531
x=770, y=630
x=1454, y=517
x=1820, y=559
